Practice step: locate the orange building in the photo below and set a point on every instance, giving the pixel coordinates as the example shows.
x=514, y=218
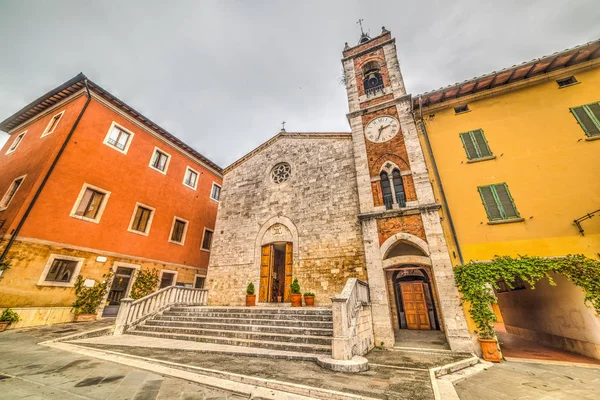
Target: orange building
x=89, y=186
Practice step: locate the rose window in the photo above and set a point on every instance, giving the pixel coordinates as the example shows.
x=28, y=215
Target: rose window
x=281, y=172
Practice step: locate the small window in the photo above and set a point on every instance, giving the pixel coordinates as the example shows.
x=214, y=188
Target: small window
x=90, y=203
x=141, y=219
x=10, y=193
x=475, y=144
x=461, y=109
x=118, y=138
x=160, y=160
x=178, y=231
x=215, y=193
x=60, y=270
x=16, y=142
x=498, y=203
x=167, y=279
x=191, y=178
x=566, y=82
x=588, y=117
x=207, y=239
x=199, y=282
x=386, y=190
x=52, y=124
x=399, y=188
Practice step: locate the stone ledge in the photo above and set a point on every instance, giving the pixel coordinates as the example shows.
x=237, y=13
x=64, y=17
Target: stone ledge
x=399, y=212
x=356, y=364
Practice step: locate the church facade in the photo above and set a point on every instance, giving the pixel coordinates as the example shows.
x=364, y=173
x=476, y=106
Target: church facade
x=326, y=207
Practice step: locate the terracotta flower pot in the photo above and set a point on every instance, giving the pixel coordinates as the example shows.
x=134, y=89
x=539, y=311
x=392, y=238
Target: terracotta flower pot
x=296, y=300
x=309, y=301
x=250, y=300
x=3, y=326
x=85, y=317
x=490, y=350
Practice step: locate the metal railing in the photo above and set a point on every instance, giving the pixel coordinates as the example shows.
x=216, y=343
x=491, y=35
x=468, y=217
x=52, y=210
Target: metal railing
x=373, y=90
x=133, y=312
x=346, y=311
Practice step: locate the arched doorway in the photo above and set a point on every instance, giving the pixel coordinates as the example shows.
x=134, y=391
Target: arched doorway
x=414, y=299
x=275, y=272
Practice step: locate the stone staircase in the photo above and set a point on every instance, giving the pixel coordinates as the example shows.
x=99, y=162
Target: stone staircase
x=302, y=330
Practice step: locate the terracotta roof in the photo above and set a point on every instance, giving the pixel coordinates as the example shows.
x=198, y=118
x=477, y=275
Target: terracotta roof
x=76, y=84
x=540, y=66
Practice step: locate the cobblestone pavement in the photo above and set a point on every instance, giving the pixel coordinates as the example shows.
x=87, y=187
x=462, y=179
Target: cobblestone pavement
x=524, y=380
x=31, y=371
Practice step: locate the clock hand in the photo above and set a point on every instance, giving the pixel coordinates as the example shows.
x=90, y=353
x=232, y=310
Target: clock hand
x=380, y=130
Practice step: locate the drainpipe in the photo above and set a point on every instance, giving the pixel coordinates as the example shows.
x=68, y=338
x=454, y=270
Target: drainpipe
x=439, y=180
x=46, y=177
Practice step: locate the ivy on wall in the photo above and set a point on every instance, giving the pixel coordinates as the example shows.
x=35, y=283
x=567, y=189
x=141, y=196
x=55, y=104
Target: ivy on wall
x=146, y=281
x=476, y=279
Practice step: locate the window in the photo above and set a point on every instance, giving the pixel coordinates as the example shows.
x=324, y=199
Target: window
x=199, y=282
x=207, y=239
x=399, y=188
x=475, y=144
x=16, y=142
x=588, y=117
x=167, y=278
x=372, y=79
x=281, y=172
x=566, y=82
x=461, y=109
x=60, y=270
x=178, y=231
x=118, y=138
x=386, y=190
x=191, y=178
x=52, y=124
x=498, y=202
x=10, y=193
x=141, y=219
x=90, y=203
x=215, y=193
x=160, y=160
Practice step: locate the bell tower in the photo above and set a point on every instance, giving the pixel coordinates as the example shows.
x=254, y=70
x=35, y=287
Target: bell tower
x=409, y=269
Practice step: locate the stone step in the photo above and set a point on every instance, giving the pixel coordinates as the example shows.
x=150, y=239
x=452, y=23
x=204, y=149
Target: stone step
x=298, y=317
x=260, y=336
x=248, y=321
x=296, y=347
x=290, y=329
x=256, y=310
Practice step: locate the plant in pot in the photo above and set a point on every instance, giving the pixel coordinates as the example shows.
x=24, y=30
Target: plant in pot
x=88, y=298
x=484, y=318
x=250, y=296
x=309, y=299
x=296, y=295
x=7, y=318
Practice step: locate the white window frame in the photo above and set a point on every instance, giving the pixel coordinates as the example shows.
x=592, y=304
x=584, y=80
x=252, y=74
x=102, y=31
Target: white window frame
x=47, y=131
x=202, y=242
x=188, y=168
x=169, y=271
x=2, y=208
x=166, y=164
x=100, y=209
x=42, y=281
x=152, y=211
x=211, y=191
x=131, y=134
x=187, y=224
x=12, y=149
x=199, y=276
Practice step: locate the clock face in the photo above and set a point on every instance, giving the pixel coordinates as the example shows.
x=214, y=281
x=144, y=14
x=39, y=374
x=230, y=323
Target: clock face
x=382, y=129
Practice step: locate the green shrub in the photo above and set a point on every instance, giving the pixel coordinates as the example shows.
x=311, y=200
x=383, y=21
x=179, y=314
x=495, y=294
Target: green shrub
x=146, y=282
x=9, y=316
x=89, y=298
x=309, y=294
x=250, y=288
x=295, y=286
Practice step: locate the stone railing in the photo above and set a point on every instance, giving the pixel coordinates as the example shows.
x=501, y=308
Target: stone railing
x=352, y=321
x=133, y=312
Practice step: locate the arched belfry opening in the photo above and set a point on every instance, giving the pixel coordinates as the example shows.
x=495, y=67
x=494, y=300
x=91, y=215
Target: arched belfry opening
x=372, y=78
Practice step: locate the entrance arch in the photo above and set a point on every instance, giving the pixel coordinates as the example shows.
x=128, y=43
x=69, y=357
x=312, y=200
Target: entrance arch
x=414, y=298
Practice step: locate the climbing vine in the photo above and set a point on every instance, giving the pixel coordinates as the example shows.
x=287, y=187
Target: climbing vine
x=146, y=281
x=476, y=279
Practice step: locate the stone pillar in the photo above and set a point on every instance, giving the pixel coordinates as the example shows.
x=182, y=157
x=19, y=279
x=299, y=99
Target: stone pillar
x=121, y=321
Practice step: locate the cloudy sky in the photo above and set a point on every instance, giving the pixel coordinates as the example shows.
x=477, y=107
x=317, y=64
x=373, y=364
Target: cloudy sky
x=222, y=75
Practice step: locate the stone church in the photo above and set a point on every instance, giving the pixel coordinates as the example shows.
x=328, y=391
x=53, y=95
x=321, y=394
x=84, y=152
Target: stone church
x=326, y=207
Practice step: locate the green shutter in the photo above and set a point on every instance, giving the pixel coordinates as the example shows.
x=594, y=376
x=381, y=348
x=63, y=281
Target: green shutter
x=588, y=117
x=475, y=144
x=498, y=202
x=489, y=202
x=505, y=201
x=469, y=145
x=479, y=138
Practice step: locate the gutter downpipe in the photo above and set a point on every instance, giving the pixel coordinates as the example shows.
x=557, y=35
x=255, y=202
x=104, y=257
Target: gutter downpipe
x=46, y=177
x=439, y=180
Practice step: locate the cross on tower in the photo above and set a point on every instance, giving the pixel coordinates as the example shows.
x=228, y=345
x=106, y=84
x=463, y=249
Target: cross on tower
x=283, y=126
x=359, y=22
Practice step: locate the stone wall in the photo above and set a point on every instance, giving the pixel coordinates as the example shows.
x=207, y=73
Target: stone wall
x=318, y=207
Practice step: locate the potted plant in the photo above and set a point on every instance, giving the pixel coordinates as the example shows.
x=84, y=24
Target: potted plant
x=7, y=318
x=88, y=298
x=484, y=318
x=309, y=299
x=250, y=296
x=296, y=295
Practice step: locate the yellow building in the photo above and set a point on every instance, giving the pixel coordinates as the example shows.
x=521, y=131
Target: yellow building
x=515, y=157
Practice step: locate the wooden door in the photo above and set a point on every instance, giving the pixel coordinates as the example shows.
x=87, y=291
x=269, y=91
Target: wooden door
x=289, y=256
x=265, y=273
x=415, y=307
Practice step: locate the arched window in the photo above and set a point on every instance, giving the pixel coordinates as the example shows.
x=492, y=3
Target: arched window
x=372, y=80
x=386, y=190
x=399, y=188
